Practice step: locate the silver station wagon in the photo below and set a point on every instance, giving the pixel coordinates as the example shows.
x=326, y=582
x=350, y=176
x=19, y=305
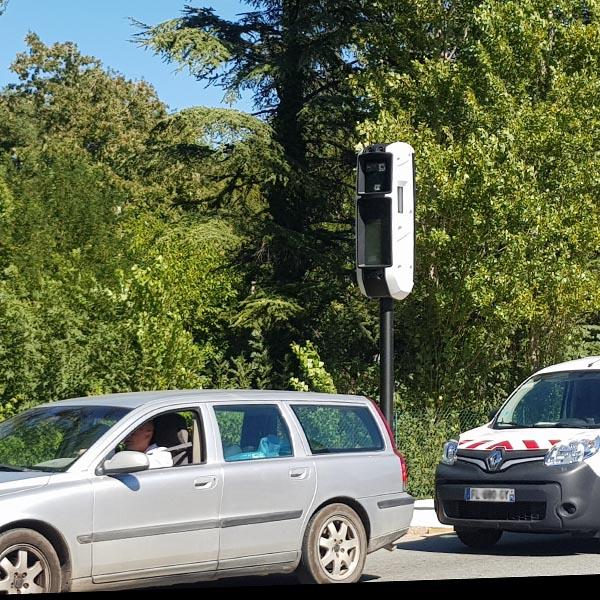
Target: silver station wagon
x=256, y=482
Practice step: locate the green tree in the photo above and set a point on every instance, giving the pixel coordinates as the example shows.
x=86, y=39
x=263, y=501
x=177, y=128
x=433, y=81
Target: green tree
x=506, y=133
x=105, y=284
x=298, y=60
x=66, y=94
x=295, y=58
x=63, y=203
x=312, y=368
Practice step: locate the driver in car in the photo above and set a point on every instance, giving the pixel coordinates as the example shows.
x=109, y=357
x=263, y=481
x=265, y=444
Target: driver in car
x=140, y=440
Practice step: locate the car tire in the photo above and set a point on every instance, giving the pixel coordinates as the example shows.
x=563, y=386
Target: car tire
x=334, y=548
x=28, y=563
x=479, y=538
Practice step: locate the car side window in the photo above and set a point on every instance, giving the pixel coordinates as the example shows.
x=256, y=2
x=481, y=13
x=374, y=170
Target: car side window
x=176, y=433
x=252, y=432
x=336, y=429
x=181, y=433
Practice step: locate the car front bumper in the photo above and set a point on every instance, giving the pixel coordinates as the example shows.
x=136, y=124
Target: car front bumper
x=547, y=499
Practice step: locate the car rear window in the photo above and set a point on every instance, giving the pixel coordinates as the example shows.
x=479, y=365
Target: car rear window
x=333, y=429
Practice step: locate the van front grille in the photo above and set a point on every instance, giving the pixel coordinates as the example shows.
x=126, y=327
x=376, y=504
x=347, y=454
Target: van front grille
x=495, y=511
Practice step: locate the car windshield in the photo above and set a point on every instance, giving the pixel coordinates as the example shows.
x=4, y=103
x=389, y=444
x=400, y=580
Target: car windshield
x=568, y=399
x=52, y=438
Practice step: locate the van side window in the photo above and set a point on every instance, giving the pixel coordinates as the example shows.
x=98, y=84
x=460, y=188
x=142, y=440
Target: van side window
x=334, y=429
x=584, y=400
x=252, y=431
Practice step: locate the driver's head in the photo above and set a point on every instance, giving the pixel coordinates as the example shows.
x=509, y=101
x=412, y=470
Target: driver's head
x=140, y=438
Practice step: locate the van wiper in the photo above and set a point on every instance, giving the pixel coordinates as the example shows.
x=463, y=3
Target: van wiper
x=568, y=424
x=581, y=425
x=509, y=424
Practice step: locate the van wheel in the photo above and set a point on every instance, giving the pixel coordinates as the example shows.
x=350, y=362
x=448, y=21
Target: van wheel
x=479, y=538
x=334, y=547
x=28, y=563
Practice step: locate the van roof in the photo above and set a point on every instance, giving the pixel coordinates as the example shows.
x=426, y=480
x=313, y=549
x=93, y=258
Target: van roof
x=589, y=363
x=134, y=399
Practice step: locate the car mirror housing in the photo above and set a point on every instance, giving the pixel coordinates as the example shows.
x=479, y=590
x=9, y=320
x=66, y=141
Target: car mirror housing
x=126, y=461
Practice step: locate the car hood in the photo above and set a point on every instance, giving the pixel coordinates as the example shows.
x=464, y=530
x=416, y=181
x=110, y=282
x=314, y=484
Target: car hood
x=11, y=481
x=533, y=438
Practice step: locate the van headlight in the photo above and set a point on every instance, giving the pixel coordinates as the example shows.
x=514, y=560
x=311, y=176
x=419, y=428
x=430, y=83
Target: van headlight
x=571, y=451
x=449, y=452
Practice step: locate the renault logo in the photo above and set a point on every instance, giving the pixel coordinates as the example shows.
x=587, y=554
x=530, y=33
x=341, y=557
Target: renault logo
x=494, y=459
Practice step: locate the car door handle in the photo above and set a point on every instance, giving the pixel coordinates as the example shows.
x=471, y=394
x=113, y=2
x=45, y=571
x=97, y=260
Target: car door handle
x=205, y=483
x=299, y=472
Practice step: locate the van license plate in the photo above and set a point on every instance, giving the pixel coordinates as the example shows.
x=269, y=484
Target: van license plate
x=490, y=494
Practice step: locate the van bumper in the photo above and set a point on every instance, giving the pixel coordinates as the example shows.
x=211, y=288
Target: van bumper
x=562, y=499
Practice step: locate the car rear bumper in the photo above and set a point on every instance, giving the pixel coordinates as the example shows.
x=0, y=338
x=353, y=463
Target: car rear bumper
x=547, y=499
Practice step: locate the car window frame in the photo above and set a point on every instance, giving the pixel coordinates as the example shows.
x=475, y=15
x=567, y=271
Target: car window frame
x=163, y=411
x=566, y=400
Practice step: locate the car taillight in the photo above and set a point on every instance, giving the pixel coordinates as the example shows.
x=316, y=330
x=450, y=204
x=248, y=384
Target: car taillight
x=403, y=467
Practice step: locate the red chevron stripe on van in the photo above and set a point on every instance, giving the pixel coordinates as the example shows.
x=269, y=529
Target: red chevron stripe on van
x=506, y=445
x=477, y=444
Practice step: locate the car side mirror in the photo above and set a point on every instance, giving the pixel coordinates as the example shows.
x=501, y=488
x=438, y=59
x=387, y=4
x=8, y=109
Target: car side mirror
x=126, y=461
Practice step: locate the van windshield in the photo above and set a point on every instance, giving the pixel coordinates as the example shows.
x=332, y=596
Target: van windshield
x=567, y=399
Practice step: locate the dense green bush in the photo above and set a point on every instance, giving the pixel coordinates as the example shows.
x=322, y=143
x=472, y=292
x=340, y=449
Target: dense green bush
x=420, y=436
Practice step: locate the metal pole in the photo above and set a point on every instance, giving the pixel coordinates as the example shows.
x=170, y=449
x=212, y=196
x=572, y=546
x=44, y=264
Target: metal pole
x=386, y=354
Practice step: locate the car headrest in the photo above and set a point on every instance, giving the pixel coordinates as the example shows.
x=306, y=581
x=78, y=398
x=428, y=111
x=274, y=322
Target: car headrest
x=170, y=430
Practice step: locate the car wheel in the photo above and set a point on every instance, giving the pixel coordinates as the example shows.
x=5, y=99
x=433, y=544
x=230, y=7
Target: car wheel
x=334, y=548
x=28, y=563
x=479, y=538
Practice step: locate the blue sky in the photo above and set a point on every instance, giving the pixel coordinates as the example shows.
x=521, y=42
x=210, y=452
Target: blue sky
x=101, y=28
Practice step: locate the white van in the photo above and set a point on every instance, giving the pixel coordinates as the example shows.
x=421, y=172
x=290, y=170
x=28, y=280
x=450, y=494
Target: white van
x=535, y=467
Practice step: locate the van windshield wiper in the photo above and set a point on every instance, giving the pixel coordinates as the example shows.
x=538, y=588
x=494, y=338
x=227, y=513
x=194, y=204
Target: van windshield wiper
x=567, y=424
x=509, y=424
x=576, y=425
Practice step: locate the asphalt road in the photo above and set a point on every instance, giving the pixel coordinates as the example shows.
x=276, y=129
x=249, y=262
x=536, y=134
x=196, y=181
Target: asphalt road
x=442, y=557
x=442, y=560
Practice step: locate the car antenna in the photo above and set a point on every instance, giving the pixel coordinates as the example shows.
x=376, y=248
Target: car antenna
x=594, y=362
